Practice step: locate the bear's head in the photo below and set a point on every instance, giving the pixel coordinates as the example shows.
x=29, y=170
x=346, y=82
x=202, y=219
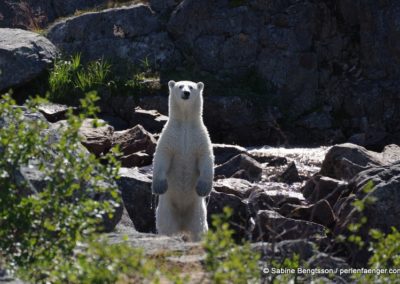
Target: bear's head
x=186, y=95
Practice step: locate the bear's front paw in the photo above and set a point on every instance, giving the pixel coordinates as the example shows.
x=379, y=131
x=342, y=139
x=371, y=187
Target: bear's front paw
x=159, y=186
x=203, y=188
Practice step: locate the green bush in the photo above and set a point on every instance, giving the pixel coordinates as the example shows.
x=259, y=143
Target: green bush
x=227, y=262
x=36, y=227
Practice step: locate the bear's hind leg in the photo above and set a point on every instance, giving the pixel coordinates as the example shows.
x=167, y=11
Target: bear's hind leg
x=167, y=223
x=196, y=224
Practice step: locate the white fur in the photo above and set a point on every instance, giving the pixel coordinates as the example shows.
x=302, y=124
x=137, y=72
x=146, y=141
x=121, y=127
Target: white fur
x=184, y=159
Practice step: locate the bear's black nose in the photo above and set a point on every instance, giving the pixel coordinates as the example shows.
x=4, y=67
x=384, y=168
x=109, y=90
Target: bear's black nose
x=185, y=95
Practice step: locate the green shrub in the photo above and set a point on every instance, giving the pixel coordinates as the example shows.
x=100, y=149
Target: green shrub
x=37, y=227
x=227, y=262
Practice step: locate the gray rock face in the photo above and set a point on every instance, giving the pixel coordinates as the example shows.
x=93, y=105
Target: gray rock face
x=242, y=165
x=346, y=160
x=23, y=56
x=271, y=226
x=378, y=189
x=126, y=35
x=138, y=200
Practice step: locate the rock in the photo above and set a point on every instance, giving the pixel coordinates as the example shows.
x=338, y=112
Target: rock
x=97, y=140
x=272, y=161
x=37, y=14
x=286, y=249
x=152, y=120
x=290, y=175
x=252, y=168
x=125, y=35
x=137, y=146
x=325, y=261
x=53, y=112
x=391, y=154
x=316, y=120
x=324, y=188
x=262, y=199
x=163, y=6
x=377, y=188
x=320, y=213
x=224, y=152
x=238, y=187
x=239, y=219
x=344, y=161
x=138, y=200
x=271, y=226
x=138, y=159
x=24, y=56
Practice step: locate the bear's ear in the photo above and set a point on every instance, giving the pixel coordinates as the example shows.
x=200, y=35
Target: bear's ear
x=171, y=84
x=200, y=86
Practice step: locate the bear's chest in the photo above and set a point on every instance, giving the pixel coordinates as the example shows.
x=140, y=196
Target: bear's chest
x=186, y=142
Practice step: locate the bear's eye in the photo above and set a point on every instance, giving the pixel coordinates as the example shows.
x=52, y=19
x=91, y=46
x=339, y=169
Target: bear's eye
x=181, y=87
x=190, y=87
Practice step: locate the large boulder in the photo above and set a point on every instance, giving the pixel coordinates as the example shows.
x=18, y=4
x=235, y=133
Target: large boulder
x=126, y=35
x=240, y=166
x=378, y=189
x=96, y=136
x=344, y=161
x=23, y=57
x=139, y=202
x=137, y=146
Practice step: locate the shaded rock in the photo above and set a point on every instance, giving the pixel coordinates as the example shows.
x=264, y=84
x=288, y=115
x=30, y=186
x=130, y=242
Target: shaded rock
x=137, y=146
x=326, y=261
x=23, y=57
x=377, y=188
x=238, y=187
x=138, y=200
x=117, y=123
x=316, y=120
x=96, y=136
x=271, y=226
x=272, y=161
x=305, y=249
x=290, y=175
x=151, y=120
x=252, y=168
x=138, y=159
x=261, y=199
x=224, y=152
x=344, y=161
x=240, y=214
x=53, y=112
x=320, y=213
x=320, y=187
x=125, y=35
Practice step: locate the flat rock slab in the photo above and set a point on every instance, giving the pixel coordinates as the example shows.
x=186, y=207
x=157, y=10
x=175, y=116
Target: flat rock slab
x=24, y=55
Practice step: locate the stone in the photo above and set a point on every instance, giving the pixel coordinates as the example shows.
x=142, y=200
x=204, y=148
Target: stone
x=53, y=112
x=151, y=120
x=240, y=215
x=290, y=175
x=344, y=161
x=96, y=136
x=137, y=146
x=125, y=35
x=377, y=188
x=266, y=199
x=286, y=249
x=238, y=187
x=320, y=213
x=138, y=200
x=224, y=152
x=271, y=226
x=24, y=56
x=324, y=188
x=251, y=167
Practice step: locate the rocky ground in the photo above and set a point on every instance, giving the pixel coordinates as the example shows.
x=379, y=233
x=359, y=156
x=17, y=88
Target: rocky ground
x=276, y=73
x=329, y=59
x=284, y=200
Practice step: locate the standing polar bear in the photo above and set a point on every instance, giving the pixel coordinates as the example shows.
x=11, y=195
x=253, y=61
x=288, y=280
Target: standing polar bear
x=183, y=166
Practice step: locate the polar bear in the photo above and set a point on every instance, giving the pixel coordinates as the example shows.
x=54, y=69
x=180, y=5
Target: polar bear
x=183, y=165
